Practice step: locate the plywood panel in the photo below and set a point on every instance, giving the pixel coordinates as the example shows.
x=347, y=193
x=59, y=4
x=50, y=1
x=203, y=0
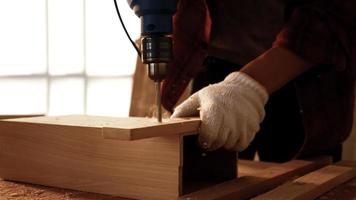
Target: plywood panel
x=132, y=128
x=70, y=156
x=19, y=116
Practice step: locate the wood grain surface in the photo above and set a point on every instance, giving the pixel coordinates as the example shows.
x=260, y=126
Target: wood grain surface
x=132, y=128
x=71, y=152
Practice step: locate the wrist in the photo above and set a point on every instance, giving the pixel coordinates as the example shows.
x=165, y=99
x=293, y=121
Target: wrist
x=240, y=78
x=275, y=68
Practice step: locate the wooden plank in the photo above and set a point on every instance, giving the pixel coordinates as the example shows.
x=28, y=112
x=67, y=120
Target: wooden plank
x=19, y=116
x=132, y=128
x=346, y=191
x=249, y=186
x=77, y=157
x=311, y=185
x=346, y=163
x=249, y=167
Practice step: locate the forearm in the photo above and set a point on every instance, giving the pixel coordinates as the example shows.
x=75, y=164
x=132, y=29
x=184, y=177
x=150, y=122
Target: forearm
x=275, y=68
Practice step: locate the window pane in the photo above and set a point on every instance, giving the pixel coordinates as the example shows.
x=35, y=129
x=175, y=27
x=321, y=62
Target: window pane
x=109, y=52
x=110, y=97
x=66, y=40
x=23, y=96
x=66, y=96
x=22, y=37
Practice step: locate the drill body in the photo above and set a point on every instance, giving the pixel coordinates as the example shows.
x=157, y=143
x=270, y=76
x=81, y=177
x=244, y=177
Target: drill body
x=156, y=44
x=156, y=28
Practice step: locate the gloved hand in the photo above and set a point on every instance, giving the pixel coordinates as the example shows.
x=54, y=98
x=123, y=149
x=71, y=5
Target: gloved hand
x=231, y=111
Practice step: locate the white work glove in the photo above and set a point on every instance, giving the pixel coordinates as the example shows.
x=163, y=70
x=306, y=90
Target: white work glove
x=231, y=112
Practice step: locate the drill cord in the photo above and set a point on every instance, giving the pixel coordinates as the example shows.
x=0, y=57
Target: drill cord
x=124, y=27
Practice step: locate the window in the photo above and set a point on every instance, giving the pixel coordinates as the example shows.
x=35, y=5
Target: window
x=66, y=57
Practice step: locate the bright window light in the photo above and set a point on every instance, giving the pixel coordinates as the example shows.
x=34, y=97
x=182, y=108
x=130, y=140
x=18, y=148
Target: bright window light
x=107, y=44
x=65, y=32
x=66, y=96
x=22, y=37
x=109, y=97
x=62, y=57
x=23, y=95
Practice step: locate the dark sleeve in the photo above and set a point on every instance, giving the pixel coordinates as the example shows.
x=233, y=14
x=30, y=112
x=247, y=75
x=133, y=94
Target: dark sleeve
x=190, y=36
x=321, y=31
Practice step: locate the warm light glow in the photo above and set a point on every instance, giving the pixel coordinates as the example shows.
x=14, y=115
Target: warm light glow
x=22, y=96
x=66, y=96
x=77, y=49
x=65, y=32
x=109, y=51
x=109, y=97
x=22, y=37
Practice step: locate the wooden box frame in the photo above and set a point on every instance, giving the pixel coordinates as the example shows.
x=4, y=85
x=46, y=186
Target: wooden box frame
x=94, y=154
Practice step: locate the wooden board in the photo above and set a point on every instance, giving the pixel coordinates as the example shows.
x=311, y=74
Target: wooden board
x=249, y=167
x=71, y=152
x=132, y=128
x=346, y=191
x=19, y=116
x=251, y=185
x=312, y=185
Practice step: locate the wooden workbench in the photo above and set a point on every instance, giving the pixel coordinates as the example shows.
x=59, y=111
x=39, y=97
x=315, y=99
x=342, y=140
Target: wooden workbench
x=12, y=190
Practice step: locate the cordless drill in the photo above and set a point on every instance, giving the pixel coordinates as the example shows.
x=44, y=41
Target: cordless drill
x=156, y=43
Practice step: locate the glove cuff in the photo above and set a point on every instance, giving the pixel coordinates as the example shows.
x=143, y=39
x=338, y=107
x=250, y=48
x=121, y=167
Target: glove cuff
x=244, y=79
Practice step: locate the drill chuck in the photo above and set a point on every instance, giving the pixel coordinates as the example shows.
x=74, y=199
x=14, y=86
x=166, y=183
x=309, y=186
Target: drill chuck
x=157, y=71
x=156, y=49
x=157, y=53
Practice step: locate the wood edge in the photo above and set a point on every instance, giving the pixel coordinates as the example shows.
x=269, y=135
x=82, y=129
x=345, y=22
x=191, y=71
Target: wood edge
x=346, y=163
x=13, y=117
x=151, y=131
x=249, y=167
x=190, y=127
x=299, y=167
x=116, y=134
x=347, y=175
x=11, y=121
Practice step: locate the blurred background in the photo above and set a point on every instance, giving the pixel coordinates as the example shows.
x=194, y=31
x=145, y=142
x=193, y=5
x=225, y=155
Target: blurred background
x=66, y=57
x=62, y=57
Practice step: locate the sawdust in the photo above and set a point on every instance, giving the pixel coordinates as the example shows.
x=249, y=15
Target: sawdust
x=20, y=191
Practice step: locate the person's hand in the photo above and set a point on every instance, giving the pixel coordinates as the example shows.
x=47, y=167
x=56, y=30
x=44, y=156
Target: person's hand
x=231, y=111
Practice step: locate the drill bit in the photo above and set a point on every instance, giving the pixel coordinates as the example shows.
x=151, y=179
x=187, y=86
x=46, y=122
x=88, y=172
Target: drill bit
x=158, y=100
